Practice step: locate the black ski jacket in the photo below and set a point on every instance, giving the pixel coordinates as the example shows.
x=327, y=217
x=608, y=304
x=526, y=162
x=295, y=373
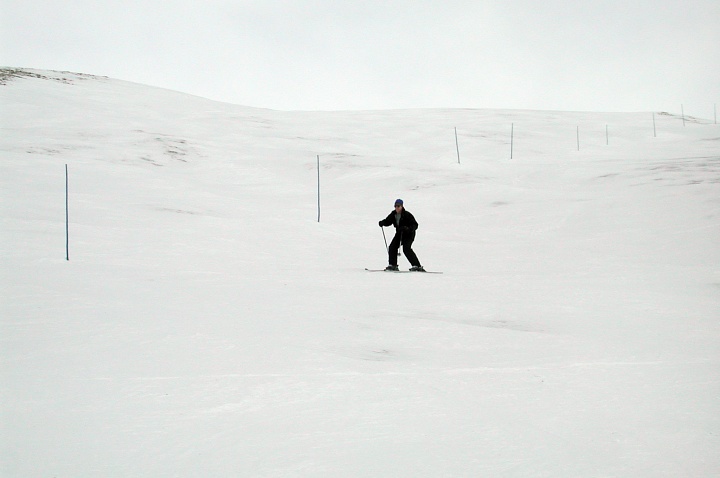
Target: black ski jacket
x=407, y=222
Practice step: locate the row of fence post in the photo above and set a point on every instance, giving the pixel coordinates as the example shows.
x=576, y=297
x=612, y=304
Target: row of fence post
x=577, y=134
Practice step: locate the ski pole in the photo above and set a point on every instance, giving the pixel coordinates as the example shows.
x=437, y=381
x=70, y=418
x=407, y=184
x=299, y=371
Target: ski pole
x=385, y=239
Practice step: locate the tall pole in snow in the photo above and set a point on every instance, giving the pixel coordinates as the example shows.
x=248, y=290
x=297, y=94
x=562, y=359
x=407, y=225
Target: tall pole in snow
x=318, y=184
x=512, y=134
x=654, y=129
x=578, y=137
x=682, y=111
x=457, y=146
x=67, y=216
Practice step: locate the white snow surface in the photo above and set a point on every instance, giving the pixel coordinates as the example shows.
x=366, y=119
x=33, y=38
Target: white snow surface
x=207, y=325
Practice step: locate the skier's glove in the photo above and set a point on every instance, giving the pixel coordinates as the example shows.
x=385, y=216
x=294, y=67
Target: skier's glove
x=380, y=223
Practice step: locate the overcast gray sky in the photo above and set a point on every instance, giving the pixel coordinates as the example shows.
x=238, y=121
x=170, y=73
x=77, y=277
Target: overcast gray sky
x=591, y=55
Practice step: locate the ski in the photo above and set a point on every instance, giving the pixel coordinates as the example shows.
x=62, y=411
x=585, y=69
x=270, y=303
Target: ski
x=403, y=272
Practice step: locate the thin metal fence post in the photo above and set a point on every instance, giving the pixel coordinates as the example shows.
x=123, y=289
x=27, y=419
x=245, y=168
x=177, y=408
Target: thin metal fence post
x=512, y=135
x=654, y=128
x=318, y=186
x=67, y=215
x=578, y=138
x=682, y=111
x=457, y=146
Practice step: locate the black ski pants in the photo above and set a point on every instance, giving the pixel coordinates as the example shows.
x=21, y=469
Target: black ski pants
x=406, y=239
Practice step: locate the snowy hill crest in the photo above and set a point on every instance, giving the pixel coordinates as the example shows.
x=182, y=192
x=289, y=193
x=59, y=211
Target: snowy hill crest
x=9, y=74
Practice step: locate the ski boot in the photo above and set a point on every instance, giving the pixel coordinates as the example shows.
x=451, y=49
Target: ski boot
x=392, y=268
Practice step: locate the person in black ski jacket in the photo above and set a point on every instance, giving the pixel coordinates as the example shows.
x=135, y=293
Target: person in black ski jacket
x=405, y=227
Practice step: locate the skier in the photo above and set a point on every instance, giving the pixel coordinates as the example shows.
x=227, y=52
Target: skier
x=405, y=227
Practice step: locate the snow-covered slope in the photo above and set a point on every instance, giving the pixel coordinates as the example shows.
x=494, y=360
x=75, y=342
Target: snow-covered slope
x=208, y=325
